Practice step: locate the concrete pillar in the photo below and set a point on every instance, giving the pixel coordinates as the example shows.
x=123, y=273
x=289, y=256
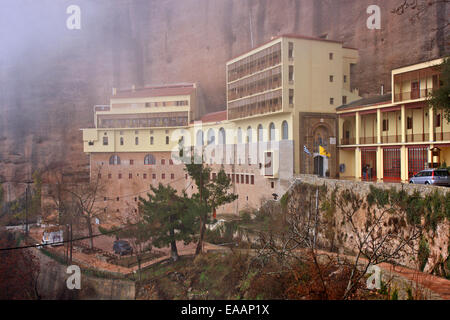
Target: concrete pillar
x=404, y=163
x=358, y=127
x=431, y=124
x=357, y=163
x=380, y=173
x=403, y=123
x=379, y=122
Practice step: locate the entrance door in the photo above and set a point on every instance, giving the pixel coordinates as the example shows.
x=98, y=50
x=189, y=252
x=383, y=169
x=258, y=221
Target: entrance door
x=415, y=90
x=369, y=164
x=319, y=166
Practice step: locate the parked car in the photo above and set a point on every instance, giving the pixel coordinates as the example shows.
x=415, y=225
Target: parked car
x=437, y=177
x=122, y=247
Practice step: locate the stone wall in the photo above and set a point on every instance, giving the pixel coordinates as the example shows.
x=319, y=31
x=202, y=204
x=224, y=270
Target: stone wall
x=438, y=239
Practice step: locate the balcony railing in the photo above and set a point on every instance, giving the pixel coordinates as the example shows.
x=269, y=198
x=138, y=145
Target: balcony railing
x=412, y=95
x=442, y=136
x=101, y=108
x=418, y=137
x=391, y=139
x=348, y=141
x=368, y=140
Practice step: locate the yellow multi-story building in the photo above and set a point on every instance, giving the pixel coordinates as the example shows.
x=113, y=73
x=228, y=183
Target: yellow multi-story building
x=281, y=111
x=394, y=136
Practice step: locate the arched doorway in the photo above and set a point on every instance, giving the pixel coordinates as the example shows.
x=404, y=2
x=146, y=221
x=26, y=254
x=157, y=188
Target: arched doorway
x=319, y=166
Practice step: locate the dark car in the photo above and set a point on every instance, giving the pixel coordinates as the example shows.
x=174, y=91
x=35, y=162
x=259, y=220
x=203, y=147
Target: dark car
x=122, y=247
x=437, y=177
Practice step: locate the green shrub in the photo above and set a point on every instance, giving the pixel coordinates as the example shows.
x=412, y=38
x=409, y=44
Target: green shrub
x=423, y=254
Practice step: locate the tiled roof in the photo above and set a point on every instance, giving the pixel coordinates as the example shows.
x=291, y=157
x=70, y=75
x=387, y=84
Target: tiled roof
x=215, y=116
x=365, y=102
x=156, y=91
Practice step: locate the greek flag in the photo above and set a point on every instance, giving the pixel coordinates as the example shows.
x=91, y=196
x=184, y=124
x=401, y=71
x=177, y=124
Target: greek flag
x=306, y=150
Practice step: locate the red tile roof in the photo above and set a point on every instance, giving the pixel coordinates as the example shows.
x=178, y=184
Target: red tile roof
x=215, y=116
x=156, y=91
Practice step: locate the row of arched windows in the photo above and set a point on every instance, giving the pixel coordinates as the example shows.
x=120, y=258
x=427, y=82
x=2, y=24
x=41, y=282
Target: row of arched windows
x=211, y=137
x=148, y=159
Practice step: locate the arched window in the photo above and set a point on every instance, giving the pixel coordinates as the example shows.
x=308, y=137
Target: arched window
x=200, y=141
x=260, y=133
x=211, y=137
x=239, y=136
x=114, y=160
x=285, y=130
x=271, y=131
x=149, y=160
x=222, y=136
x=249, y=135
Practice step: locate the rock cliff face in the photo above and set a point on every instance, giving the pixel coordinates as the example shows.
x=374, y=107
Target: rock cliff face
x=50, y=77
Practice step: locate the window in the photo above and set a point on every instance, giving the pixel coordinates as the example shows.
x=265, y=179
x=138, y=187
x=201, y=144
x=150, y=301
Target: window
x=285, y=127
x=105, y=141
x=249, y=135
x=121, y=141
x=291, y=73
x=252, y=179
x=172, y=176
x=136, y=140
x=271, y=132
x=239, y=135
x=222, y=136
x=344, y=99
x=131, y=162
x=438, y=120
x=163, y=161
x=291, y=96
x=237, y=178
x=170, y=162
x=272, y=185
x=117, y=199
x=130, y=176
x=260, y=133
x=114, y=160
x=331, y=55
x=291, y=50
x=154, y=176
x=200, y=140
x=147, y=104
x=163, y=176
x=120, y=176
x=149, y=160
x=144, y=176
x=242, y=179
x=109, y=175
x=409, y=123
x=331, y=78
x=385, y=125
x=345, y=79
x=211, y=137
x=99, y=175
x=167, y=139
x=331, y=101
x=152, y=140
x=247, y=179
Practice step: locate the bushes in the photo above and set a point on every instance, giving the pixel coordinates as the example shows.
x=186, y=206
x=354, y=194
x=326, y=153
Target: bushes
x=423, y=254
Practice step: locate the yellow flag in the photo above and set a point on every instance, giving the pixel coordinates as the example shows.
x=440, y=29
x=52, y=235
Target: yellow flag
x=323, y=152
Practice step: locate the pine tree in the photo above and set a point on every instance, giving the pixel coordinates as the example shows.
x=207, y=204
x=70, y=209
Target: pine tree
x=170, y=217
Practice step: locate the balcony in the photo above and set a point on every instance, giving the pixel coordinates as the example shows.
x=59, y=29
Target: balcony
x=101, y=108
x=412, y=95
x=442, y=136
x=391, y=139
x=348, y=141
x=419, y=137
x=368, y=140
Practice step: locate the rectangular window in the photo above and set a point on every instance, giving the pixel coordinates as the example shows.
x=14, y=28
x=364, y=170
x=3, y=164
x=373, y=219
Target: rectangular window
x=130, y=176
x=170, y=162
x=154, y=176
x=121, y=141
x=120, y=176
x=438, y=120
x=252, y=179
x=131, y=162
x=232, y=178
x=291, y=73
x=344, y=99
x=409, y=123
x=237, y=178
x=167, y=140
x=109, y=176
x=247, y=179
x=242, y=179
x=172, y=176
x=144, y=176
x=105, y=141
x=163, y=176
x=386, y=125
x=331, y=55
x=152, y=140
x=331, y=101
x=345, y=79
x=331, y=78
x=163, y=162
x=291, y=96
x=291, y=50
